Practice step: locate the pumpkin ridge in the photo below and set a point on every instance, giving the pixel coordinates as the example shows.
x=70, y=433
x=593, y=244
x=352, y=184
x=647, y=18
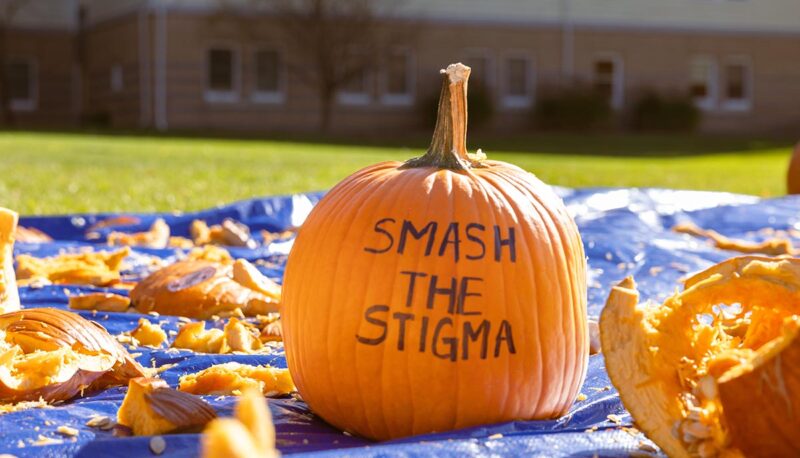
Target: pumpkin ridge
x=368, y=185
x=330, y=203
x=490, y=193
x=369, y=208
x=558, y=259
x=579, y=313
x=418, y=255
x=496, y=178
x=403, y=183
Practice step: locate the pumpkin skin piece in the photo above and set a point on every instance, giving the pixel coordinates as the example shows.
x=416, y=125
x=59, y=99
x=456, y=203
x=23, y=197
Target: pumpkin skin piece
x=96, y=358
x=9, y=296
x=198, y=289
x=718, y=389
x=411, y=381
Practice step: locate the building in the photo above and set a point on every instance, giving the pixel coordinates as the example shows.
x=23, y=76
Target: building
x=192, y=65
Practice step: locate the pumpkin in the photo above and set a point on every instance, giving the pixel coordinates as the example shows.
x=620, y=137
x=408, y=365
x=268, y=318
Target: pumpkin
x=9, y=296
x=228, y=378
x=237, y=336
x=249, y=434
x=147, y=333
x=793, y=175
x=102, y=302
x=714, y=370
x=93, y=268
x=155, y=237
x=151, y=407
x=55, y=355
x=774, y=246
x=440, y=293
x=202, y=289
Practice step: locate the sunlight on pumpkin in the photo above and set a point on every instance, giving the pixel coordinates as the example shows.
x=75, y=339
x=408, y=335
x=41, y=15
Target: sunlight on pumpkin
x=670, y=362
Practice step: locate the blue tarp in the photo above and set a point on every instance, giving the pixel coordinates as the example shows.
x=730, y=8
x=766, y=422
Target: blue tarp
x=625, y=232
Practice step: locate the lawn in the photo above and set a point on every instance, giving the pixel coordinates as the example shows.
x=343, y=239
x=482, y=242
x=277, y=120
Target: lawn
x=60, y=173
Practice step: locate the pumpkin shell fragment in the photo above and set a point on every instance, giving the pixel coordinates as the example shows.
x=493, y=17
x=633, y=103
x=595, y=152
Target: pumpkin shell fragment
x=55, y=355
x=691, y=370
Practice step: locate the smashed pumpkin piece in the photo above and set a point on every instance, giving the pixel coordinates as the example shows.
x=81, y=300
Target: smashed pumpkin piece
x=233, y=377
x=236, y=337
x=155, y=237
x=272, y=332
x=712, y=371
x=151, y=407
x=55, y=355
x=102, y=302
x=147, y=333
x=31, y=235
x=9, y=296
x=198, y=289
x=230, y=233
x=774, y=246
x=195, y=337
x=210, y=253
x=248, y=275
x=91, y=268
x=251, y=433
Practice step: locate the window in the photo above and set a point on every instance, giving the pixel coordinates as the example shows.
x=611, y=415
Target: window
x=607, y=79
x=116, y=78
x=478, y=61
x=269, y=79
x=518, y=85
x=356, y=90
x=738, y=85
x=703, y=82
x=398, y=84
x=21, y=77
x=222, y=84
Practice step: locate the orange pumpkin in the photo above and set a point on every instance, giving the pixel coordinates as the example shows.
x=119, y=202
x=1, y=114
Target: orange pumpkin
x=444, y=292
x=793, y=176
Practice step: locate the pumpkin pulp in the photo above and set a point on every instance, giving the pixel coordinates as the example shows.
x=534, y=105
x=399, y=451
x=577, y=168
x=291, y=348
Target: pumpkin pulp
x=679, y=366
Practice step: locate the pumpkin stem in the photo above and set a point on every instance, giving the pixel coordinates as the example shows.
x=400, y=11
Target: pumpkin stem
x=448, y=148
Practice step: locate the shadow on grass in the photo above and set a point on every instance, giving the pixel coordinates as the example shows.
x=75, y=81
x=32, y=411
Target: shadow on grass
x=578, y=143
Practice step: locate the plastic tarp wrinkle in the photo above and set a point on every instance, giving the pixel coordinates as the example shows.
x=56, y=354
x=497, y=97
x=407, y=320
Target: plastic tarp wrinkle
x=625, y=232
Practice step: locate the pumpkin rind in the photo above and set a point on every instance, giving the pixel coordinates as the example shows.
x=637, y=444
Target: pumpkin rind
x=93, y=358
x=198, y=289
x=151, y=407
x=336, y=272
x=9, y=296
x=713, y=370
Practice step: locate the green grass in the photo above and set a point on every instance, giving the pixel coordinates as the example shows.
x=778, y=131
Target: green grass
x=44, y=173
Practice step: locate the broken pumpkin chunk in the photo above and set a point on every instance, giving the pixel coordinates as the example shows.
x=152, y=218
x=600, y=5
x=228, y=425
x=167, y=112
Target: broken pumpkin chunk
x=55, y=355
x=198, y=289
x=151, y=407
x=195, y=337
x=147, y=333
x=251, y=433
x=691, y=370
x=91, y=268
x=773, y=246
x=102, y=302
x=232, y=378
x=236, y=337
x=31, y=235
x=9, y=296
x=155, y=237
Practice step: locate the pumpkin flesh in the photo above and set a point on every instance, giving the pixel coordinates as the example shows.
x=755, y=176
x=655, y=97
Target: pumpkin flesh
x=673, y=364
x=9, y=296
